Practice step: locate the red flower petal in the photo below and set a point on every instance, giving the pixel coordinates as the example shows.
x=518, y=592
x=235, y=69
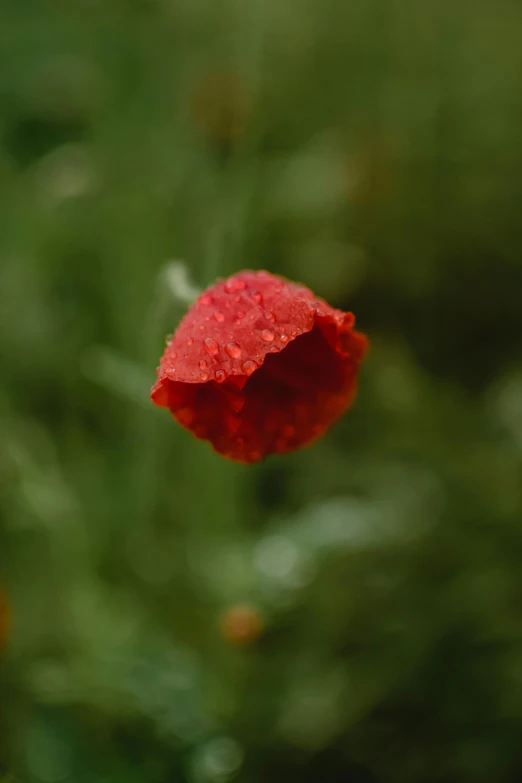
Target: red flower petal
x=259, y=366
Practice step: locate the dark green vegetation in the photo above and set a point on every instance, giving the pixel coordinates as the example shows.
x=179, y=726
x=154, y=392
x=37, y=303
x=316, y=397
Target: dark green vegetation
x=372, y=150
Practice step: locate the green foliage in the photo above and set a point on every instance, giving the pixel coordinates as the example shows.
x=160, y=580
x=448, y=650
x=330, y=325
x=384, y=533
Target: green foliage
x=370, y=149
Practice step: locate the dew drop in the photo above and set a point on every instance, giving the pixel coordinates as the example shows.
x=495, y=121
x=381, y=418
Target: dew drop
x=220, y=376
x=269, y=316
x=233, y=285
x=173, y=355
x=283, y=337
x=233, y=350
x=206, y=299
x=249, y=367
x=219, y=316
x=201, y=327
x=168, y=339
x=190, y=340
x=256, y=297
x=240, y=314
x=204, y=376
x=274, y=349
x=203, y=364
x=267, y=335
x=211, y=346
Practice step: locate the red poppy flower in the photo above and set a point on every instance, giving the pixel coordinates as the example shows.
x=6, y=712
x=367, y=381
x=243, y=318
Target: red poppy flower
x=259, y=366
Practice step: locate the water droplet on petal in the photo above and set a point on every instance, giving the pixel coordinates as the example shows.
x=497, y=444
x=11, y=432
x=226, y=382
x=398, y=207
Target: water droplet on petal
x=220, y=376
x=267, y=335
x=206, y=299
x=283, y=337
x=233, y=285
x=249, y=367
x=269, y=316
x=219, y=316
x=204, y=376
x=201, y=327
x=233, y=350
x=256, y=297
x=173, y=355
x=168, y=339
x=211, y=346
x=190, y=340
x=203, y=364
x=240, y=314
x=274, y=349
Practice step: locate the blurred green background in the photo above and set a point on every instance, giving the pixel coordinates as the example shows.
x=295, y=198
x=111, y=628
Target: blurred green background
x=351, y=612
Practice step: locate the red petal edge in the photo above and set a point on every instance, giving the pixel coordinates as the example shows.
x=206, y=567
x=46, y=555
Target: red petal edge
x=259, y=366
